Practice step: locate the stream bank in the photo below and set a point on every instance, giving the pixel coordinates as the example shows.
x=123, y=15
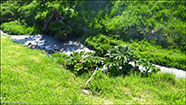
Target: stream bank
x=51, y=45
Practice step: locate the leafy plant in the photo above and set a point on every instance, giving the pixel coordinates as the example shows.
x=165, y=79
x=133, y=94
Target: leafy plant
x=147, y=65
x=59, y=28
x=121, y=53
x=82, y=61
x=56, y=26
x=119, y=58
x=75, y=57
x=68, y=29
x=90, y=62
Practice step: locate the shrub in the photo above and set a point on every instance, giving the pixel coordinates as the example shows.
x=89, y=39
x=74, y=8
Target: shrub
x=118, y=58
x=56, y=26
x=105, y=47
x=59, y=29
x=15, y=28
x=82, y=62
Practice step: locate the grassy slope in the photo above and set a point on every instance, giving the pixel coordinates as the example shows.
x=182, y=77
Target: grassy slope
x=156, y=54
x=32, y=76
x=170, y=18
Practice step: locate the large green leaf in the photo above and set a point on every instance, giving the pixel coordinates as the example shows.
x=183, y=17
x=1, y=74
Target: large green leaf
x=121, y=52
x=78, y=66
x=77, y=53
x=147, y=65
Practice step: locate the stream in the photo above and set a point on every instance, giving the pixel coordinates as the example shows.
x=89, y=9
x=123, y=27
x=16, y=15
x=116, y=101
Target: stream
x=51, y=45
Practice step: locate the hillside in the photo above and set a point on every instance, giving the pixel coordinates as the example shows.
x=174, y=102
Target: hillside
x=120, y=32
x=147, y=27
x=33, y=77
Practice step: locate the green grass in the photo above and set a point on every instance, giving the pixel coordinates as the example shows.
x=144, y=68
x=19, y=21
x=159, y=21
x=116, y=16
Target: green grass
x=155, y=54
x=18, y=28
x=155, y=89
x=34, y=77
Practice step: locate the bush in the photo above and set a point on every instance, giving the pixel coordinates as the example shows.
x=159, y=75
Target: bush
x=15, y=28
x=119, y=58
x=80, y=62
x=56, y=26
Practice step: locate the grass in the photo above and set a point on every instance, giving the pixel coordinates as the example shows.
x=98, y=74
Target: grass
x=33, y=77
x=155, y=54
x=155, y=89
x=18, y=28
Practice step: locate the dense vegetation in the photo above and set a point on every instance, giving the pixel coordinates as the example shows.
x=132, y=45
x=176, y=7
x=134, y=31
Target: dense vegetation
x=116, y=60
x=119, y=31
x=155, y=54
x=33, y=77
x=161, y=23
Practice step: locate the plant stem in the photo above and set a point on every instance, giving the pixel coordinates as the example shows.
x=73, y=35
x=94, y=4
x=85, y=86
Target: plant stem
x=91, y=77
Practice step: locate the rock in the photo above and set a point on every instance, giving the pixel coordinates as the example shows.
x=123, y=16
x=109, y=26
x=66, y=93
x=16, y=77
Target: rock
x=49, y=51
x=37, y=40
x=43, y=37
x=27, y=43
x=33, y=47
x=41, y=43
x=56, y=48
x=48, y=48
x=60, y=51
x=34, y=43
x=42, y=47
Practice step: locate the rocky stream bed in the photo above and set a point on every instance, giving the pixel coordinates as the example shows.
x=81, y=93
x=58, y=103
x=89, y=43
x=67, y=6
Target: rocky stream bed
x=51, y=45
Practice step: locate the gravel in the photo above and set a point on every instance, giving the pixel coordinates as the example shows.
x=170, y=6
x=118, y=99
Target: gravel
x=51, y=45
